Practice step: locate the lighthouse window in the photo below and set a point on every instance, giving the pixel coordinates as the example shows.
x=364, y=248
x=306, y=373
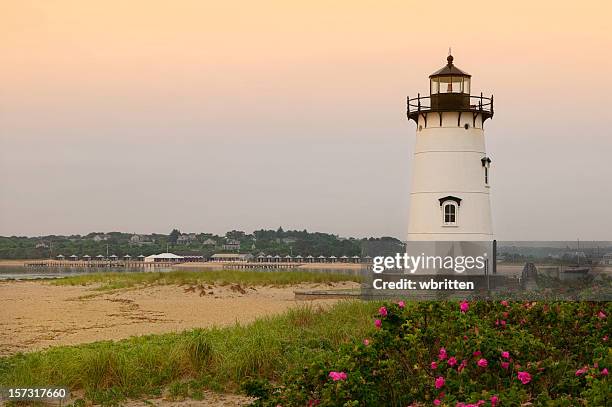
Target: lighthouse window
x=446, y=84
x=434, y=86
x=450, y=213
x=450, y=84
x=457, y=85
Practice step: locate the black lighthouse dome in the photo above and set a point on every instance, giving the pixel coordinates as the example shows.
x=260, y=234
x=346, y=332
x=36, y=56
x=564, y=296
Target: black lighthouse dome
x=449, y=79
x=449, y=91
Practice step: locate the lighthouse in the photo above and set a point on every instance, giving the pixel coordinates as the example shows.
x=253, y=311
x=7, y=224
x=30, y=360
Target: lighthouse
x=451, y=171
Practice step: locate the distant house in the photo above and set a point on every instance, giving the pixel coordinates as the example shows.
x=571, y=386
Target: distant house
x=41, y=245
x=231, y=244
x=606, y=259
x=140, y=239
x=209, y=242
x=231, y=257
x=164, y=257
x=100, y=238
x=185, y=238
x=191, y=256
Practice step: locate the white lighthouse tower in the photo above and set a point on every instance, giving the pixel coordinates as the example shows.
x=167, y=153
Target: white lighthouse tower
x=451, y=171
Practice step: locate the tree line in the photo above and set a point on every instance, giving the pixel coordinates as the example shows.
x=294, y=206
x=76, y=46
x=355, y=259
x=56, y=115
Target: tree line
x=274, y=242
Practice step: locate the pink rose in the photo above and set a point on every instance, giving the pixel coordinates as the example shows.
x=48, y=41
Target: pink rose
x=452, y=361
x=437, y=402
x=378, y=323
x=605, y=338
x=505, y=365
x=401, y=304
x=504, y=303
x=335, y=376
x=439, y=382
x=366, y=342
x=382, y=311
x=442, y=354
x=502, y=322
x=505, y=355
x=581, y=371
x=464, y=306
x=601, y=315
x=462, y=365
x=482, y=362
x=477, y=353
x=604, y=371
x=524, y=377
x=494, y=400
x=434, y=365
x=505, y=314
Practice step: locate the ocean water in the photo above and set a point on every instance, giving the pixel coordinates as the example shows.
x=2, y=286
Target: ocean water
x=27, y=273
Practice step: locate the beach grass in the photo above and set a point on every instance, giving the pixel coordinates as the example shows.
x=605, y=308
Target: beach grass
x=117, y=280
x=182, y=364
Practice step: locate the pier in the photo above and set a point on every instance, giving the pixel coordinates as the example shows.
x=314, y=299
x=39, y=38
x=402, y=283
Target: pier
x=126, y=264
x=261, y=266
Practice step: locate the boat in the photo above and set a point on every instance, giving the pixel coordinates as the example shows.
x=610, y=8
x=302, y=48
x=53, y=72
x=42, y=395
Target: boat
x=577, y=269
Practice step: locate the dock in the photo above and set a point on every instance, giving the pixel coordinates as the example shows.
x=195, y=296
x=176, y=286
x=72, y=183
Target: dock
x=126, y=264
x=260, y=266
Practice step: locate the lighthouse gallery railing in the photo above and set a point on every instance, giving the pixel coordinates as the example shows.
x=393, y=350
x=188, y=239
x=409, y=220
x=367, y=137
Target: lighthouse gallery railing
x=422, y=104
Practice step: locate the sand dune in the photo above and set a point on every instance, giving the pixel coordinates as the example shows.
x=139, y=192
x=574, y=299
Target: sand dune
x=36, y=315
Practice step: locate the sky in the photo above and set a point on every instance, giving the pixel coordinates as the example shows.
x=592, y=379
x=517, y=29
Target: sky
x=143, y=116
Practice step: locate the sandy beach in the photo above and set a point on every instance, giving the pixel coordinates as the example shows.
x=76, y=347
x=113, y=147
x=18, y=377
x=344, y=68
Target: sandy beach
x=36, y=314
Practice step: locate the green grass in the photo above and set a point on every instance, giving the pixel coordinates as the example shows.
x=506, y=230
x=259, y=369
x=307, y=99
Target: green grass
x=115, y=280
x=185, y=363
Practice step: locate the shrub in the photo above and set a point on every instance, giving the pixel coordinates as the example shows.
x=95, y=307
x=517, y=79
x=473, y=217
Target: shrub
x=459, y=354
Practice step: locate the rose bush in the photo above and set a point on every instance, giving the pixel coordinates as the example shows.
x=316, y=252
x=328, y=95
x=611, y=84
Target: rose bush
x=459, y=354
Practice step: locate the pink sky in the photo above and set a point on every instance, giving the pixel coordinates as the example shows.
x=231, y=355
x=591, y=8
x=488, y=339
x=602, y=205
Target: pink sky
x=299, y=106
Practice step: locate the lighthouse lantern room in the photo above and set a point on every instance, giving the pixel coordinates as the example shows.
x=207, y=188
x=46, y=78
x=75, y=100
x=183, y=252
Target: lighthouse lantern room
x=451, y=171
